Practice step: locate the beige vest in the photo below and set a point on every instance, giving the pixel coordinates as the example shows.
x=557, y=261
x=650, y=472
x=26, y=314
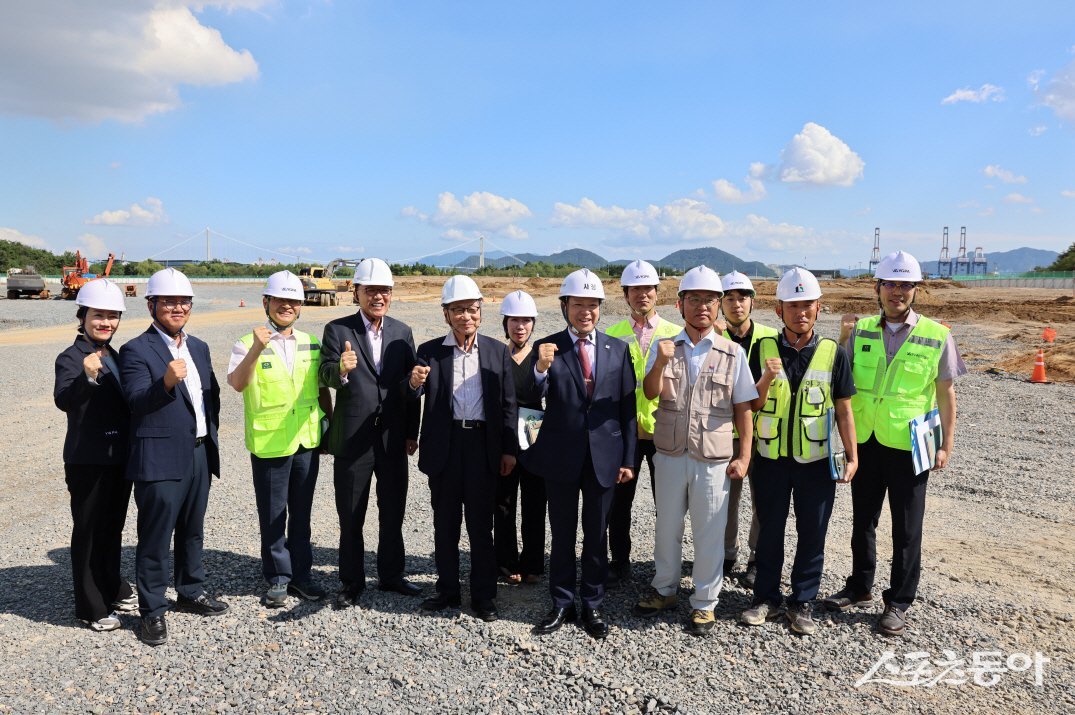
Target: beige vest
x=697, y=419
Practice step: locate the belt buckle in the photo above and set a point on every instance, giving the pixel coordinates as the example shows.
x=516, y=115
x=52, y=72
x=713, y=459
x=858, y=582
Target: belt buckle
x=467, y=424
x=377, y=421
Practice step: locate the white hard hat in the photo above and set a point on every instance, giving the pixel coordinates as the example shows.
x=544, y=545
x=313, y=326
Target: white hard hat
x=284, y=284
x=101, y=294
x=900, y=266
x=518, y=304
x=701, y=278
x=639, y=273
x=373, y=272
x=736, y=281
x=798, y=284
x=582, y=284
x=459, y=288
x=169, y=281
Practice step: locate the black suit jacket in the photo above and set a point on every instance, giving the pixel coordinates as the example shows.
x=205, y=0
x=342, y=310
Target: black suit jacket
x=163, y=424
x=605, y=427
x=498, y=400
x=370, y=406
x=98, y=421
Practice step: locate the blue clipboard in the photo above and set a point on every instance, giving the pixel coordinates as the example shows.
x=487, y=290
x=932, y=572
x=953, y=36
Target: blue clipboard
x=837, y=453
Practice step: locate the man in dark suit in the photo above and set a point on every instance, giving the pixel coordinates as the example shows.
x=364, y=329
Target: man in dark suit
x=586, y=444
x=367, y=358
x=169, y=384
x=469, y=439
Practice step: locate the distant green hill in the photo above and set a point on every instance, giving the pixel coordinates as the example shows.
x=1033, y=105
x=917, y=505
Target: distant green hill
x=17, y=255
x=718, y=260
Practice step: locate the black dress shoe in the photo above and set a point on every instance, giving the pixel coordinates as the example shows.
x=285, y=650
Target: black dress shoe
x=594, y=623
x=554, y=619
x=485, y=609
x=203, y=605
x=441, y=601
x=348, y=596
x=154, y=631
x=401, y=586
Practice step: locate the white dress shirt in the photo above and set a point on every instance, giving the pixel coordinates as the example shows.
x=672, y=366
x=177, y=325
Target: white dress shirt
x=193, y=380
x=466, y=381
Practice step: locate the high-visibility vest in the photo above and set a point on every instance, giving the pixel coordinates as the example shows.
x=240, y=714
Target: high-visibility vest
x=889, y=395
x=795, y=424
x=280, y=407
x=624, y=331
x=760, y=331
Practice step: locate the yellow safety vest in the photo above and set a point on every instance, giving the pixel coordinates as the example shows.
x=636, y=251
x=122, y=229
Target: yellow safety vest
x=889, y=395
x=280, y=407
x=796, y=424
x=625, y=332
x=760, y=331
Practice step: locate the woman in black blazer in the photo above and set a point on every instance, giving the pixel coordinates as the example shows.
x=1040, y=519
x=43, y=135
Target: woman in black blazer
x=95, y=456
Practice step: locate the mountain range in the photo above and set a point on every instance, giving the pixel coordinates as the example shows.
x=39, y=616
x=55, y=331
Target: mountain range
x=718, y=260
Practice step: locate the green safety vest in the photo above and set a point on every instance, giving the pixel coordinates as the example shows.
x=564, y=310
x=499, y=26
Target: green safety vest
x=760, y=331
x=795, y=424
x=625, y=332
x=280, y=407
x=889, y=395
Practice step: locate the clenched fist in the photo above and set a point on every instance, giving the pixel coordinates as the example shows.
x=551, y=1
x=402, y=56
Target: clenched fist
x=261, y=337
x=92, y=364
x=348, y=358
x=847, y=324
x=419, y=373
x=665, y=350
x=773, y=367
x=546, y=354
x=176, y=372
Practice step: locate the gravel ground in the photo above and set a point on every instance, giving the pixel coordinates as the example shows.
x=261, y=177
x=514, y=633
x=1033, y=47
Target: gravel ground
x=998, y=559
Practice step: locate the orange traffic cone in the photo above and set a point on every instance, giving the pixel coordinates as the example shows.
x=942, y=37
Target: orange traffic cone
x=1039, y=368
x=242, y=303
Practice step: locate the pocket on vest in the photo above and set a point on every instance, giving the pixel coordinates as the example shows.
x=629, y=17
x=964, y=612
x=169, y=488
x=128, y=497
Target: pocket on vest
x=664, y=431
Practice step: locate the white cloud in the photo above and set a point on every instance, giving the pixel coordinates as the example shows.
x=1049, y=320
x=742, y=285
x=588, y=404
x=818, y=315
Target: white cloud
x=91, y=246
x=454, y=234
x=995, y=172
x=353, y=250
x=137, y=215
x=1015, y=198
x=13, y=234
x=989, y=211
x=295, y=250
x=480, y=211
x=729, y=193
x=971, y=204
x=114, y=165
x=816, y=156
x=1068, y=194
x=1059, y=93
x=1037, y=131
x=112, y=59
x=1034, y=78
x=987, y=92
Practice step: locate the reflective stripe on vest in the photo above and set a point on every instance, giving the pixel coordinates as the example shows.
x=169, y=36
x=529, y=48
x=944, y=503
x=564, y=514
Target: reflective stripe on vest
x=760, y=331
x=623, y=330
x=889, y=395
x=280, y=409
x=796, y=424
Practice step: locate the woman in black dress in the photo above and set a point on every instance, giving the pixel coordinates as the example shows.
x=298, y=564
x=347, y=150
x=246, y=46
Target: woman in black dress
x=520, y=315
x=95, y=456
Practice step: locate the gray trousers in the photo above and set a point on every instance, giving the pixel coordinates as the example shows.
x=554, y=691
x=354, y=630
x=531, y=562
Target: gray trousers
x=731, y=531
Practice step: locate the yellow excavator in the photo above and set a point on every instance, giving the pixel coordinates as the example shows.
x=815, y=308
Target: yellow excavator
x=321, y=286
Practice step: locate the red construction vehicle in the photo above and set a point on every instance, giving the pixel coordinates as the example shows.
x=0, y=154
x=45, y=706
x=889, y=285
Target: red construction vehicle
x=78, y=275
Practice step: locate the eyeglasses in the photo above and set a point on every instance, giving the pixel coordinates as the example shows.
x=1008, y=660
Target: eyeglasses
x=377, y=290
x=697, y=301
x=184, y=303
x=459, y=311
x=892, y=285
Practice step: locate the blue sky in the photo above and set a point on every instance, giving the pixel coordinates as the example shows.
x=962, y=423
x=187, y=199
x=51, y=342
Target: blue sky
x=779, y=132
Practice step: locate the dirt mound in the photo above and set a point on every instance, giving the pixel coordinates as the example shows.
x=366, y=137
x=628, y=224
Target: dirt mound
x=1059, y=361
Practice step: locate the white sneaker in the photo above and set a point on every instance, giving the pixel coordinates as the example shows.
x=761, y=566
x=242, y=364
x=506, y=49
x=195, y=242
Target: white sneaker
x=108, y=623
x=127, y=605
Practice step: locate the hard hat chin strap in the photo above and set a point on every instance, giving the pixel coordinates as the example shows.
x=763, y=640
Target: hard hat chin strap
x=160, y=325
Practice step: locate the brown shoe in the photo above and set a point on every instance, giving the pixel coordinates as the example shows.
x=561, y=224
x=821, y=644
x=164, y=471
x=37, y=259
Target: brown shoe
x=893, y=621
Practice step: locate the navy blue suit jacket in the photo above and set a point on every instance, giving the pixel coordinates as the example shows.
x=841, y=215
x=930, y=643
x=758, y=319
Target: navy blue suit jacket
x=498, y=400
x=605, y=426
x=98, y=420
x=163, y=425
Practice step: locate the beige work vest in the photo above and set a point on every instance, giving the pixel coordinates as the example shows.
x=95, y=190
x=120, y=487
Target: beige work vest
x=697, y=419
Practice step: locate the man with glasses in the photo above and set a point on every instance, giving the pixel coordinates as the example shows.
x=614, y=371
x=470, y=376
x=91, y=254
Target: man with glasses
x=169, y=384
x=275, y=368
x=367, y=358
x=641, y=332
x=904, y=365
x=703, y=386
x=736, y=305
